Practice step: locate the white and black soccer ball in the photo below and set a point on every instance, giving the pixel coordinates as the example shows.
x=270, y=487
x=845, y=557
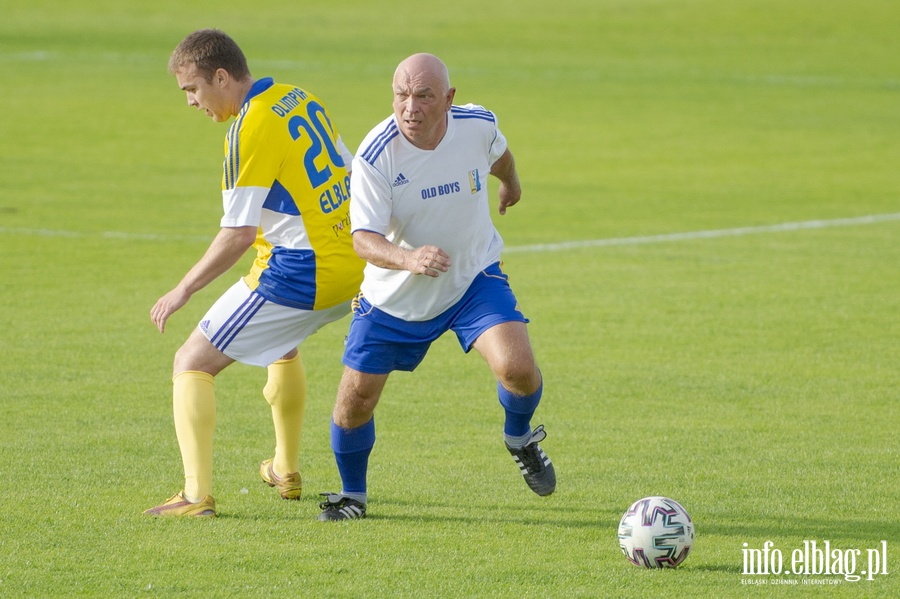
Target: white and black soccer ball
x=656, y=532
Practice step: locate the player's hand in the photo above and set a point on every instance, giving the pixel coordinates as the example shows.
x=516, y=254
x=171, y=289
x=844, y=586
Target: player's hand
x=429, y=260
x=509, y=195
x=166, y=306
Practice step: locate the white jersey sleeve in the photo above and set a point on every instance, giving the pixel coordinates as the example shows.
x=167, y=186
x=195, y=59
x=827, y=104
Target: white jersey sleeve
x=345, y=153
x=243, y=206
x=372, y=210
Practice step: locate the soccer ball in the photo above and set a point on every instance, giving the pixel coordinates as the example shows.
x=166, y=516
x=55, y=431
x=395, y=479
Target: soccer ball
x=656, y=532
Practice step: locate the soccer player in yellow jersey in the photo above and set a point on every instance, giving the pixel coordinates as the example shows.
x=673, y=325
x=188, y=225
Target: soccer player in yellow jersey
x=286, y=192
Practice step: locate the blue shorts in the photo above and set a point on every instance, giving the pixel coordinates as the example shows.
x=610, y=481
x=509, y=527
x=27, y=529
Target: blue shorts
x=379, y=343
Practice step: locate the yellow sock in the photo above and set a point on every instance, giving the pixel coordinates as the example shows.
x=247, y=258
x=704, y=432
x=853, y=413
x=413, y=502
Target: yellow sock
x=285, y=391
x=194, y=405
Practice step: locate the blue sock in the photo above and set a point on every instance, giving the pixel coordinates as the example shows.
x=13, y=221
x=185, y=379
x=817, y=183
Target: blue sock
x=351, y=452
x=519, y=410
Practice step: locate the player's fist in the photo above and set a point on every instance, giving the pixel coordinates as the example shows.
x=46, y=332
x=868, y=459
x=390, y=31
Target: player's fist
x=429, y=260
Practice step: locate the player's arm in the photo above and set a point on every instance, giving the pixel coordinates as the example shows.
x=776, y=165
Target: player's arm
x=225, y=250
x=374, y=248
x=510, y=192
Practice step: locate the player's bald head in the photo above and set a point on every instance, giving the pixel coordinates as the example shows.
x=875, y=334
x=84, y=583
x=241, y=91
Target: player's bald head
x=423, y=67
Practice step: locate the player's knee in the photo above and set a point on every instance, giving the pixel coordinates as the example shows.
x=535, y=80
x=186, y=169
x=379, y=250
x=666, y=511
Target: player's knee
x=199, y=354
x=519, y=375
x=190, y=356
x=185, y=359
x=357, y=397
x=352, y=401
x=353, y=412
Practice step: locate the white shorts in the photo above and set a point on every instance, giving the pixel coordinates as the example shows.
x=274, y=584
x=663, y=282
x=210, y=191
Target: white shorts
x=246, y=327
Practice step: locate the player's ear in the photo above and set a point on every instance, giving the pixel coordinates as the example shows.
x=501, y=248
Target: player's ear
x=450, y=95
x=221, y=77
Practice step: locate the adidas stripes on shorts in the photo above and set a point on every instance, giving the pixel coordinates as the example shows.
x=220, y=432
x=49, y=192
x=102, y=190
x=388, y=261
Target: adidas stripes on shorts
x=248, y=328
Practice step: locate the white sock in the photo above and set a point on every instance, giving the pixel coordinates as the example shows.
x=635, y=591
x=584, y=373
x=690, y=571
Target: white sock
x=517, y=442
x=360, y=497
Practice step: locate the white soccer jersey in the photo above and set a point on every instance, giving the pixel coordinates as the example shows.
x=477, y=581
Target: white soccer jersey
x=418, y=197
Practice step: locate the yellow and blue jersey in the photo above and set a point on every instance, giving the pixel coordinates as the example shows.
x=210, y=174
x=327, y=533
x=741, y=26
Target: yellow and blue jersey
x=286, y=172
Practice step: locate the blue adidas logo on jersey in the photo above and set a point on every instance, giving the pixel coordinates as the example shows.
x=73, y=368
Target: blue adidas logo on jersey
x=400, y=180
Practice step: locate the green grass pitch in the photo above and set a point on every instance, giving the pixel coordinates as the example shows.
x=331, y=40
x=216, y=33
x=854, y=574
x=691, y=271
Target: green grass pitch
x=750, y=373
